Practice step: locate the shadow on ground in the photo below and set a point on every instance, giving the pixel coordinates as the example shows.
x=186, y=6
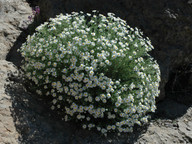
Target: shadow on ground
x=33, y=120
x=36, y=123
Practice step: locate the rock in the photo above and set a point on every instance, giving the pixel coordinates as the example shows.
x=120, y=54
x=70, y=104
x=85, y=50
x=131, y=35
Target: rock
x=8, y=133
x=10, y=17
x=167, y=23
x=12, y=13
x=157, y=135
x=185, y=124
x=5, y=67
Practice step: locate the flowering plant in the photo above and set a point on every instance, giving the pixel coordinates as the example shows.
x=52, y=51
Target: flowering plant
x=36, y=12
x=96, y=69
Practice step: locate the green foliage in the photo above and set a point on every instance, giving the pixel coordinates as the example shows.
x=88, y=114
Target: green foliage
x=95, y=68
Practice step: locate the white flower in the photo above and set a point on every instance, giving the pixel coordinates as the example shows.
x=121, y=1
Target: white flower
x=54, y=101
x=60, y=98
x=97, y=99
x=84, y=126
x=52, y=107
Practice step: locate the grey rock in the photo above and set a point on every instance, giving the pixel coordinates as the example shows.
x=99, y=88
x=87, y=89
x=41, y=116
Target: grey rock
x=8, y=133
x=160, y=135
x=12, y=13
x=185, y=124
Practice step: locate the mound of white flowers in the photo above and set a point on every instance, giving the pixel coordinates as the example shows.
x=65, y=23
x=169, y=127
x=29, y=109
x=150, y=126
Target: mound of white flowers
x=96, y=69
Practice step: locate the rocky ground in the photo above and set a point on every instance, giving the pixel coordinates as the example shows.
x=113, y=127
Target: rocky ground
x=25, y=118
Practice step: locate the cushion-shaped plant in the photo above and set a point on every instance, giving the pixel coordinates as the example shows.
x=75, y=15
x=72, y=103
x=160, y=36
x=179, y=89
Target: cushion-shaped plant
x=95, y=68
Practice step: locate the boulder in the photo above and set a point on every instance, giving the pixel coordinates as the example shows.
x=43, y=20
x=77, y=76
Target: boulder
x=13, y=13
x=185, y=124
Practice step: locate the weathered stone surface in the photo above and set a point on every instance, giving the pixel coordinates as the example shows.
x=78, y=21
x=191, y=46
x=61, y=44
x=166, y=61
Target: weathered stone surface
x=161, y=135
x=185, y=124
x=12, y=14
x=8, y=133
